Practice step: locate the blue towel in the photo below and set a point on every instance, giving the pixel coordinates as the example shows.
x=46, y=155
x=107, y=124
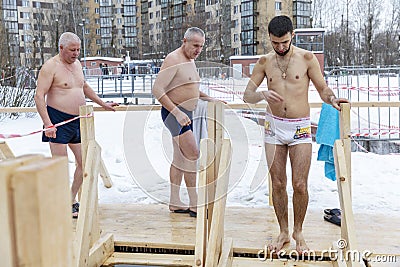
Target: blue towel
x=327, y=133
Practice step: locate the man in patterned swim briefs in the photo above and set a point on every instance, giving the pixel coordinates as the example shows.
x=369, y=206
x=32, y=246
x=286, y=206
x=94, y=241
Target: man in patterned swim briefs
x=288, y=71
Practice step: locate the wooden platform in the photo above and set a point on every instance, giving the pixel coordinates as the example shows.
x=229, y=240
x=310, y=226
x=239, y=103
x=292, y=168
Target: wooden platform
x=250, y=228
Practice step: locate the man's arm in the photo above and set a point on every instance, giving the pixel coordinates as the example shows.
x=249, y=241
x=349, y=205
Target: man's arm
x=205, y=97
x=326, y=93
x=89, y=93
x=257, y=77
x=44, y=82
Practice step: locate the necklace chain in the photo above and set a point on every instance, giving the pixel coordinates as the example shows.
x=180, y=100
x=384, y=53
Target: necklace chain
x=287, y=66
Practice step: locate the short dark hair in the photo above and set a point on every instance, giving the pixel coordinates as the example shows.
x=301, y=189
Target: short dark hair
x=280, y=25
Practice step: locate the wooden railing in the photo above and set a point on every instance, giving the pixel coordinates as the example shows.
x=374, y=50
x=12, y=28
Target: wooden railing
x=90, y=247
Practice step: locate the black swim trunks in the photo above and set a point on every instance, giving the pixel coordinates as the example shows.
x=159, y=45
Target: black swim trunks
x=66, y=134
x=173, y=125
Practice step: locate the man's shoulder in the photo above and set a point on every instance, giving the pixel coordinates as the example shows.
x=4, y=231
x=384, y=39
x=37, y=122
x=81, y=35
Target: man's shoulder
x=175, y=58
x=50, y=63
x=302, y=51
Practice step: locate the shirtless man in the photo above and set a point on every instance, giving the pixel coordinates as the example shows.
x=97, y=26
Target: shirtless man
x=177, y=90
x=288, y=70
x=61, y=90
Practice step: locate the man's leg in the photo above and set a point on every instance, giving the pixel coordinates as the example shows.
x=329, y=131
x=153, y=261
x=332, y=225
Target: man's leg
x=189, y=154
x=300, y=160
x=78, y=174
x=61, y=150
x=277, y=158
x=175, y=176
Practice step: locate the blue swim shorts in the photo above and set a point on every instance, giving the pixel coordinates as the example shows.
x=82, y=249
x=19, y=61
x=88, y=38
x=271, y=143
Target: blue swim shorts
x=66, y=134
x=173, y=125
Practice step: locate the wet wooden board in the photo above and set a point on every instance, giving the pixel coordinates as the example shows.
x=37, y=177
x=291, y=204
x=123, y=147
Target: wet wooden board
x=250, y=228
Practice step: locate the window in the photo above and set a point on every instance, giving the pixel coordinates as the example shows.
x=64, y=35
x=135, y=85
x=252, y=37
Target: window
x=236, y=37
x=24, y=15
x=235, y=9
x=25, y=3
x=278, y=6
x=97, y=10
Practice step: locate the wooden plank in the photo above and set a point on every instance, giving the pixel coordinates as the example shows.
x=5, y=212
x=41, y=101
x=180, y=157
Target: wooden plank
x=217, y=224
x=104, y=174
x=88, y=135
x=211, y=124
x=270, y=202
x=42, y=210
x=339, y=261
x=348, y=228
x=226, y=254
x=7, y=224
x=5, y=151
x=250, y=233
x=101, y=250
x=150, y=259
x=201, y=225
x=88, y=203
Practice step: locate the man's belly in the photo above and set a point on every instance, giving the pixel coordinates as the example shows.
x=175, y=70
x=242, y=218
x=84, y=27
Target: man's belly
x=185, y=97
x=290, y=110
x=68, y=102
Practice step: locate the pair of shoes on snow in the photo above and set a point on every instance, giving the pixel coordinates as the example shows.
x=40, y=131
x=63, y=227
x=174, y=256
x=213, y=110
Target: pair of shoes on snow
x=333, y=216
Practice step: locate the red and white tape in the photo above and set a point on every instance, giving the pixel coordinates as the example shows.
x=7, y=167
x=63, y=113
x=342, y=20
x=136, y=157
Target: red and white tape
x=9, y=136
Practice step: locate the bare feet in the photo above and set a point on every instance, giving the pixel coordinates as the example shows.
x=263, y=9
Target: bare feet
x=301, y=246
x=279, y=242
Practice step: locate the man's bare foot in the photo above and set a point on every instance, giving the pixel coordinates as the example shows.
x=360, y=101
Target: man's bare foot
x=276, y=245
x=301, y=246
x=179, y=207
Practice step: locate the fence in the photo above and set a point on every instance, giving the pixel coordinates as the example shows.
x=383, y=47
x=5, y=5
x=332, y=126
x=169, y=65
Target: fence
x=358, y=84
x=370, y=85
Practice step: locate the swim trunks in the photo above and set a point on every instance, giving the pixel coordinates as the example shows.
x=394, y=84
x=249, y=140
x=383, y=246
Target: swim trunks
x=282, y=131
x=66, y=134
x=173, y=125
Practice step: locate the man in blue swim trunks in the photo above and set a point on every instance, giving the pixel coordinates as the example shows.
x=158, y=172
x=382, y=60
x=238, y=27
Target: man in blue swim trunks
x=61, y=90
x=288, y=71
x=177, y=89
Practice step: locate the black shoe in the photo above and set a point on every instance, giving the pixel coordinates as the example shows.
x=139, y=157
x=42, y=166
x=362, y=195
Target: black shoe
x=192, y=213
x=75, y=210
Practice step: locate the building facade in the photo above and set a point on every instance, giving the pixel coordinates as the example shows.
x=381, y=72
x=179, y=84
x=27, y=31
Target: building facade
x=144, y=29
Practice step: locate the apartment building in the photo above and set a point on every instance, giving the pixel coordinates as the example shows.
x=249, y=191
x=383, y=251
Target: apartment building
x=147, y=29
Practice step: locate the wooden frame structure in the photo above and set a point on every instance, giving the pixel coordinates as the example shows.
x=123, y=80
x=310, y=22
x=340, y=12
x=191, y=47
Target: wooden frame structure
x=91, y=247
